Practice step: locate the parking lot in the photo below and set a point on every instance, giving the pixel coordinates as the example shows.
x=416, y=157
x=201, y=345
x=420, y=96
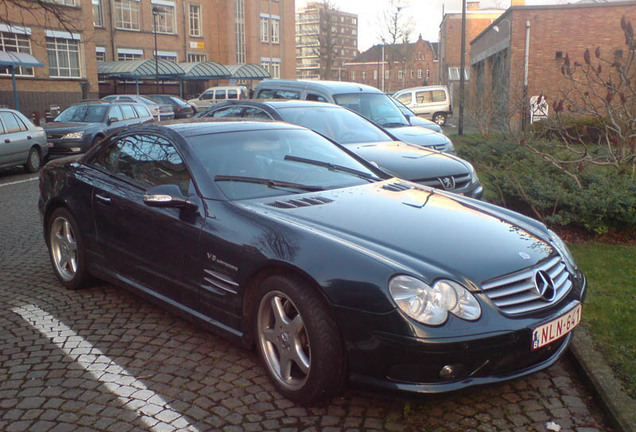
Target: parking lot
x=103, y=359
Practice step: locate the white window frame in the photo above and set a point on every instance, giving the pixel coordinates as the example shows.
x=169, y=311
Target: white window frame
x=167, y=19
x=194, y=13
x=126, y=14
x=15, y=39
x=100, y=53
x=64, y=53
x=124, y=54
x=275, y=29
x=264, y=28
x=98, y=18
x=196, y=57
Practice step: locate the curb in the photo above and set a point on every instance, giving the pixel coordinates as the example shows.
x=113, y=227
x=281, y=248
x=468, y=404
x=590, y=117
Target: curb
x=619, y=407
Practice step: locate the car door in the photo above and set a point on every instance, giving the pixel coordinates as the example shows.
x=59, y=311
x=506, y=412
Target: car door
x=16, y=140
x=147, y=247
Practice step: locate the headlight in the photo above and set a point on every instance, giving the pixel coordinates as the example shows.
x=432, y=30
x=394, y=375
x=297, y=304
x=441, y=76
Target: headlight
x=74, y=135
x=562, y=249
x=473, y=174
x=431, y=304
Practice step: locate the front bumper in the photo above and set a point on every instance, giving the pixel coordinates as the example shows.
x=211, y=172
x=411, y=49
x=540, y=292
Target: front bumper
x=61, y=148
x=500, y=349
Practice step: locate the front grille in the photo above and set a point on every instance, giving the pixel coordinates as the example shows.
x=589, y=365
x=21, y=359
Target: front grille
x=296, y=203
x=53, y=135
x=461, y=181
x=516, y=293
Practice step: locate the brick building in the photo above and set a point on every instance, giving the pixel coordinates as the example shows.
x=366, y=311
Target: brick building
x=550, y=32
x=229, y=32
x=394, y=67
x=450, y=33
x=324, y=35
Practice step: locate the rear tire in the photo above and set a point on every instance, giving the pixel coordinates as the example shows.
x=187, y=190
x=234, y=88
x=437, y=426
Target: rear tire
x=34, y=160
x=67, y=250
x=439, y=118
x=298, y=341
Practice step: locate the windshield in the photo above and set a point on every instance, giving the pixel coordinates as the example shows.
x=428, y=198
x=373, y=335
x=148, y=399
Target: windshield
x=338, y=124
x=83, y=113
x=264, y=163
x=374, y=106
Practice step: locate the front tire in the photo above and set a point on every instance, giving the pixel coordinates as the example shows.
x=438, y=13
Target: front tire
x=34, y=160
x=66, y=250
x=439, y=118
x=298, y=341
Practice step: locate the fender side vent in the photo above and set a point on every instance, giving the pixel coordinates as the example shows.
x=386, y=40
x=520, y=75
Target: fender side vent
x=304, y=202
x=397, y=187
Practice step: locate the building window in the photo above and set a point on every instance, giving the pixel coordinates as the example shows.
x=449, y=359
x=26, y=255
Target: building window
x=64, y=60
x=167, y=55
x=387, y=74
x=400, y=74
x=13, y=42
x=100, y=54
x=129, y=54
x=412, y=74
x=428, y=74
x=364, y=75
x=375, y=74
x=193, y=58
x=63, y=2
x=275, y=71
x=195, y=20
x=353, y=75
x=275, y=30
x=453, y=74
x=98, y=19
x=127, y=14
x=419, y=74
x=264, y=29
x=165, y=19
x=239, y=30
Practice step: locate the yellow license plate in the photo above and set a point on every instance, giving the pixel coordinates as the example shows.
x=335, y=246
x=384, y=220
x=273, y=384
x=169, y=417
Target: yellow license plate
x=556, y=328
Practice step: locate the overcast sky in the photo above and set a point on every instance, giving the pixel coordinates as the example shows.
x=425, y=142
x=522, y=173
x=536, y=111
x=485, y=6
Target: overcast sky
x=427, y=15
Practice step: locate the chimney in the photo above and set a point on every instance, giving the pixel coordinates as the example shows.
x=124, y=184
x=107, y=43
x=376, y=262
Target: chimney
x=472, y=5
x=518, y=3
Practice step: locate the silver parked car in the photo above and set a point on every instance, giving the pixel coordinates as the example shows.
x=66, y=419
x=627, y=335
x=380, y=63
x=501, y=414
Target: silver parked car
x=159, y=111
x=21, y=142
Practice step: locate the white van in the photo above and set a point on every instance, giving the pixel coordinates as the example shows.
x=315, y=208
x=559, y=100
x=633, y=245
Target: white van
x=218, y=94
x=431, y=102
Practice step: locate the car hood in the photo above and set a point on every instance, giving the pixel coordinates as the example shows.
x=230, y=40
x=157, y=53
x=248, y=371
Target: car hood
x=409, y=161
x=418, y=135
x=415, y=229
x=67, y=126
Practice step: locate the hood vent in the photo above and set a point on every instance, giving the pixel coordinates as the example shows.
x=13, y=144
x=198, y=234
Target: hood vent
x=297, y=203
x=397, y=187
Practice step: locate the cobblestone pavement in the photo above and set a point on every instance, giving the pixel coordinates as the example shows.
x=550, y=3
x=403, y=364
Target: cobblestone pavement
x=102, y=359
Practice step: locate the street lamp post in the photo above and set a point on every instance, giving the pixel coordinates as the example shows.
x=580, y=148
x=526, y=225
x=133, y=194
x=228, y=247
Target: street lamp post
x=156, y=11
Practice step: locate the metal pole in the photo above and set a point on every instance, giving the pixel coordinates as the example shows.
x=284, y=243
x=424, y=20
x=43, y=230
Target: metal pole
x=460, y=128
x=525, y=78
x=15, y=89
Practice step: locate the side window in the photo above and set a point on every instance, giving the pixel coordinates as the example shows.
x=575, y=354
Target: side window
x=128, y=111
x=439, y=96
x=207, y=95
x=423, y=96
x=11, y=124
x=405, y=98
x=142, y=111
x=286, y=94
x=315, y=97
x=146, y=160
x=2, y=130
x=232, y=94
x=21, y=124
x=115, y=112
x=227, y=112
x=256, y=113
x=219, y=95
x=265, y=94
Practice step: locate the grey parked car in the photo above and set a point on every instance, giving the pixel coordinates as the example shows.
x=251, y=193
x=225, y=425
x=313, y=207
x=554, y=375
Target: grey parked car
x=21, y=142
x=160, y=111
x=81, y=126
x=365, y=139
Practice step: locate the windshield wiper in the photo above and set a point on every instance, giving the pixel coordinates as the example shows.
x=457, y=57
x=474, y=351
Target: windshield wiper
x=390, y=125
x=268, y=182
x=332, y=167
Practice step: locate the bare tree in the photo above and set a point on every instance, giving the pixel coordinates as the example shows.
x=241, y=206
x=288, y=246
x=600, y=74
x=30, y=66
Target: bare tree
x=395, y=28
x=602, y=92
x=41, y=12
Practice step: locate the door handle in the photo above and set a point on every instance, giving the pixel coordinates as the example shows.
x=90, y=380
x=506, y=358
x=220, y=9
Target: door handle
x=103, y=198
x=7, y=141
x=28, y=136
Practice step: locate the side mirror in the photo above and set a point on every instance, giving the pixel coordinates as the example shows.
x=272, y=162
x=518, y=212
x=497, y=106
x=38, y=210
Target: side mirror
x=112, y=120
x=168, y=196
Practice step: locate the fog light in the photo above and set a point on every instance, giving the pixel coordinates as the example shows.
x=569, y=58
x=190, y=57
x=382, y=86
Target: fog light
x=450, y=372
x=76, y=149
